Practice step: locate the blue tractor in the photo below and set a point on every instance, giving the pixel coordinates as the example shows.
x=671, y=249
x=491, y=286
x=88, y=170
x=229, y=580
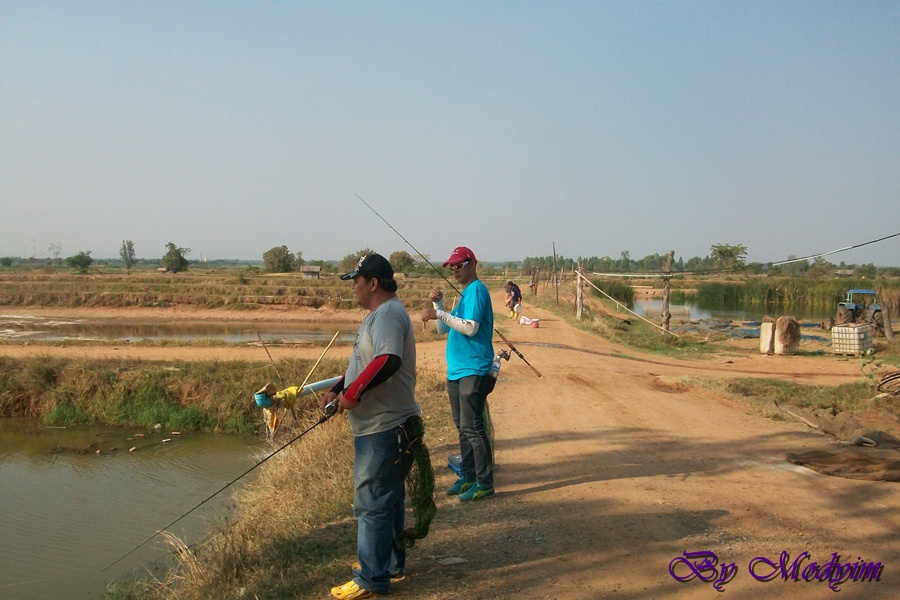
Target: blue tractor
x=861, y=306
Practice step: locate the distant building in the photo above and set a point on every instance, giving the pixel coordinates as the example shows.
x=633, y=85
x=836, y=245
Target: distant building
x=844, y=273
x=310, y=272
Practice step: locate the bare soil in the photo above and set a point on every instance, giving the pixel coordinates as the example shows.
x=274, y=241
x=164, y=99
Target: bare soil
x=610, y=468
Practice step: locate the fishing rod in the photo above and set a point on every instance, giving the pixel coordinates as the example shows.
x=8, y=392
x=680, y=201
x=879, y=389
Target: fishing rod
x=330, y=410
x=274, y=366
x=321, y=356
x=450, y=283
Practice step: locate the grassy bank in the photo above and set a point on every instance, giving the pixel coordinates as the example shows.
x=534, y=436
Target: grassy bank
x=208, y=396
x=604, y=319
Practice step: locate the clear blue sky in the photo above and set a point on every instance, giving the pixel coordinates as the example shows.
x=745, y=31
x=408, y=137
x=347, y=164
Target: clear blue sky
x=233, y=127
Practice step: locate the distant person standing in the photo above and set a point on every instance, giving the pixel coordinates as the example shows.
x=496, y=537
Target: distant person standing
x=469, y=328
x=513, y=299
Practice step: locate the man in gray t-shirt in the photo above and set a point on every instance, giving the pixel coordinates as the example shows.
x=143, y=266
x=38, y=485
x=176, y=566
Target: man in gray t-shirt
x=386, y=331
x=378, y=391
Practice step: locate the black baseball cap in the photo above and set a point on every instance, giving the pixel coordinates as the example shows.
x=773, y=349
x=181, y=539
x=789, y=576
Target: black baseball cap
x=371, y=265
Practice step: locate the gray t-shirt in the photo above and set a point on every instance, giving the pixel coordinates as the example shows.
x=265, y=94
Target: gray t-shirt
x=386, y=330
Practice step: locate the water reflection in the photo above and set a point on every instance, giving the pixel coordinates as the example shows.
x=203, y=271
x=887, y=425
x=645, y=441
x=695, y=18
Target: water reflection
x=28, y=327
x=75, y=500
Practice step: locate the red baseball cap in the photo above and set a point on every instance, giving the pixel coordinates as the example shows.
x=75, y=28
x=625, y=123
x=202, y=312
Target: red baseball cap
x=460, y=254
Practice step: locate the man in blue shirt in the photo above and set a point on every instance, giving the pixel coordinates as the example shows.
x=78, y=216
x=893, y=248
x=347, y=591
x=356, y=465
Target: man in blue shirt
x=469, y=328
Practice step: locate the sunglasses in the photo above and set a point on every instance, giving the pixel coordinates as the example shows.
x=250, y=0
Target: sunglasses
x=460, y=266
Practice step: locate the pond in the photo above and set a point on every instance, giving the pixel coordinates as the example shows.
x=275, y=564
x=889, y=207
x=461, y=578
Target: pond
x=651, y=309
x=75, y=500
x=27, y=327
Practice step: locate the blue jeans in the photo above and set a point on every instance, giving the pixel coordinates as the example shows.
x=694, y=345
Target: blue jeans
x=468, y=398
x=378, y=506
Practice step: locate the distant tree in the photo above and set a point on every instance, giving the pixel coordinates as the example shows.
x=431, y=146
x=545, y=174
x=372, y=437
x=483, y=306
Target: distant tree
x=298, y=261
x=174, y=259
x=6, y=261
x=349, y=262
x=80, y=261
x=127, y=254
x=401, y=261
x=792, y=268
x=55, y=250
x=820, y=269
x=867, y=271
x=625, y=263
x=726, y=256
x=756, y=268
x=326, y=266
x=279, y=260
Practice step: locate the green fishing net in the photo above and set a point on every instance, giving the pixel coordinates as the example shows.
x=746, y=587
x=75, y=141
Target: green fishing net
x=419, y=480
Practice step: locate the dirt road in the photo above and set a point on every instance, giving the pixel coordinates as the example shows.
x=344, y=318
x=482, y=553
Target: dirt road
x=609, y=470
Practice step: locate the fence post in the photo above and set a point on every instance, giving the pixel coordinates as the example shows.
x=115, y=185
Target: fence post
x=666, y=315
x=579, y=292
x=555, y=273
x=886, y=306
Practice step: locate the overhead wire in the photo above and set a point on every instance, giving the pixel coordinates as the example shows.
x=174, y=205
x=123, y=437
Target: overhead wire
x=741, y=268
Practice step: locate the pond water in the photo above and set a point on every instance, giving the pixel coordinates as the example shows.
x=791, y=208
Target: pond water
x=651, y=309
x=30, y=327
x=69, y=511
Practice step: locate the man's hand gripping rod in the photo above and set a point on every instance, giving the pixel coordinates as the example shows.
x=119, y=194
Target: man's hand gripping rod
x=450, y=283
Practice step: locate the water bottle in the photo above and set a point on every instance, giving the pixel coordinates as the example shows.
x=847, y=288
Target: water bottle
x=495, y=367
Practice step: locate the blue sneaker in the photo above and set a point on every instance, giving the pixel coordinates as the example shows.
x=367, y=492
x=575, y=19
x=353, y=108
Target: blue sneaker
x=459, y=487
x=476, y=492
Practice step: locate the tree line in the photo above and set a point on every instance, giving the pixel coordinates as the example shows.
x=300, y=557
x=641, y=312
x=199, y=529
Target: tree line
x=722, y=258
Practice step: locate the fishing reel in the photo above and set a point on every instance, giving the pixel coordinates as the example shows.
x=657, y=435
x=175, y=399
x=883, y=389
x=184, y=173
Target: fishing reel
x=331, y=408
x=503, y=354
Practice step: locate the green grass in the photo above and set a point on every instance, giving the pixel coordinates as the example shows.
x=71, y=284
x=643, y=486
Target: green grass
x=188, y=396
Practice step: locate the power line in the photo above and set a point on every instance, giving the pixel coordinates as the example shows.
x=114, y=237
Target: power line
x=887, y=237
x=733, y=269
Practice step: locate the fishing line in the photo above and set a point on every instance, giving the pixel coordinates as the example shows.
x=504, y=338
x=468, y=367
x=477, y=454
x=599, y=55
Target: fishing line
x=450, y=283
x=20, y=583
x=329, y=412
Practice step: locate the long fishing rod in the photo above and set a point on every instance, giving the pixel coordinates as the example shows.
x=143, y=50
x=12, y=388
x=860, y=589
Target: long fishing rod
x=330, y=410
x=450, y=283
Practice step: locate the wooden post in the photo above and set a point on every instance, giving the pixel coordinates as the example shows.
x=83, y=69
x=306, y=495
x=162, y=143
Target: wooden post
x=579, y=292
x=666, y=315
x=885, y=313
x=555, y=273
